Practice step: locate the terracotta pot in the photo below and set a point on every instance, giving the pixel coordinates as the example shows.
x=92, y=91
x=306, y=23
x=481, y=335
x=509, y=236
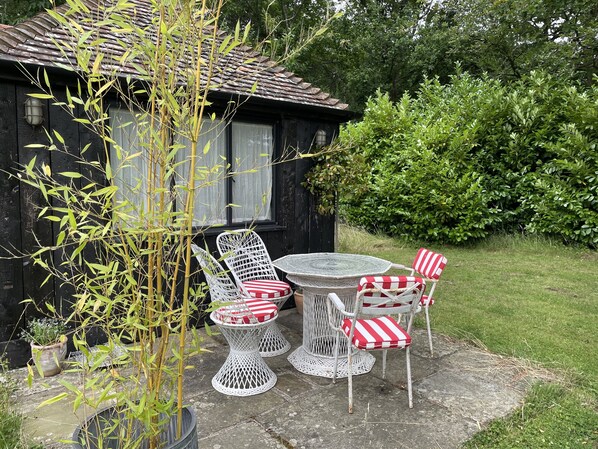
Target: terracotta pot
x=299, y=302
x=48, y=359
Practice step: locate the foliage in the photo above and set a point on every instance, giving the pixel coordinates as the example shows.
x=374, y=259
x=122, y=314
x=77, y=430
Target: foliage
x=126, y=254
x=15, y=11
x=336, y=171
x=11, y=422
x=519, y=296
x=44, y=331
x=394, y=45
x=459, y=161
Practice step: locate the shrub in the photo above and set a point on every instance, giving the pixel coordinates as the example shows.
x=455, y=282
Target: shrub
x=459, y=161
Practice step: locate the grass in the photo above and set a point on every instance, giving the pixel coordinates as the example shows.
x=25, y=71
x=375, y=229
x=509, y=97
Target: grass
x=525, y=297
x=11, y=422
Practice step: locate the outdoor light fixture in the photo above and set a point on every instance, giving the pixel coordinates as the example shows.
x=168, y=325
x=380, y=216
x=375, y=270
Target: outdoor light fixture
x=320, y=138
x=34, y=111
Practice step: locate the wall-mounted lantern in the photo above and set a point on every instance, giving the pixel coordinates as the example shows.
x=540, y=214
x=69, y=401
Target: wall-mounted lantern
x=34, y=111
x=320, y=138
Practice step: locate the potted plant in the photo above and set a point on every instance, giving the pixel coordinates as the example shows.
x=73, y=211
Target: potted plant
x=48, y=344
x=124, y=220
x=121, y=244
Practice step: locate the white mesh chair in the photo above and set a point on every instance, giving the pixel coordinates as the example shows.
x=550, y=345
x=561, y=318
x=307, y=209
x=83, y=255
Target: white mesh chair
x=430, y=266
x=243, y=322
x=248, y=260
x=371, y=325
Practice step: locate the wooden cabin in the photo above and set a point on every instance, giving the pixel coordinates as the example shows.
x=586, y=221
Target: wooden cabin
x=289, y=110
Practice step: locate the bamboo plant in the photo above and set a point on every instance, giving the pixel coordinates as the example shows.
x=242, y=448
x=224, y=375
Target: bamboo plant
x=128, y=262
x=125, y=250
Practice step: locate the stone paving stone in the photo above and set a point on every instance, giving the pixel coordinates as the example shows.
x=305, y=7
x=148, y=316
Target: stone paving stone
x=248, y=435
x=382, y=421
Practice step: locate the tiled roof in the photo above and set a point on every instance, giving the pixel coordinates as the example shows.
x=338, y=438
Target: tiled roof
x=32, y=42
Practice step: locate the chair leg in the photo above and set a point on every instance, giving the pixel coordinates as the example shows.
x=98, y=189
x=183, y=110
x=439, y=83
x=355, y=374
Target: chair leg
x=336, y=345
x=384, y=364
x=350, y=377
x=426, y=309
x=409, y=388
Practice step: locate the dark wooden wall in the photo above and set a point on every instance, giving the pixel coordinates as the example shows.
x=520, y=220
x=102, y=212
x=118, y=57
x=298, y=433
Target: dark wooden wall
x=297, y=228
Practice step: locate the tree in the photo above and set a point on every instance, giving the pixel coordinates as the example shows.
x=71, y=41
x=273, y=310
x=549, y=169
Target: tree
x=15, y=11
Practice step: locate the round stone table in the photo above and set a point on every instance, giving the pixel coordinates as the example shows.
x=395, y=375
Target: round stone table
x=319, y=274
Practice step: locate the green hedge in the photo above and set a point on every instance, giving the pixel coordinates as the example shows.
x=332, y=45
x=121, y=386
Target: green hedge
x=459, y=161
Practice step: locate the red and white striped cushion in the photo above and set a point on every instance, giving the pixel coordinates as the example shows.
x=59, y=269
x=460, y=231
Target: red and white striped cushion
x=426, y=301
x=267, y=288
x=394, y=284
x=429, y=263
x=257, y=310
x=377, y=333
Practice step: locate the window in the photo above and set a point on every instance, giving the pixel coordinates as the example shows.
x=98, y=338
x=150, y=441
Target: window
x=233, y=167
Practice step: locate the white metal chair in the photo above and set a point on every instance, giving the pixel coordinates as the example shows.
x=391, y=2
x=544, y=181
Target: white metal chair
x=371, y=325
x=247, y=258
x=430, y=266
x=242, y=321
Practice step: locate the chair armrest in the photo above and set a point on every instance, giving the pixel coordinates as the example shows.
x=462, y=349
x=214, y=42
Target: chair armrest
x=334, y=300
x=398, y=266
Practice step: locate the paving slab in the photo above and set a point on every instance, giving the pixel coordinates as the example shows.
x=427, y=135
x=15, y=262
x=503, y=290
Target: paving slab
x=457, y=391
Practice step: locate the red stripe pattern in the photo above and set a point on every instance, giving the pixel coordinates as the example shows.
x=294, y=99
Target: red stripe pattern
x=393, y=284
x=267, y=288
x=377, y=333
x=429, y=264
x=251, y=312
x=426, y=301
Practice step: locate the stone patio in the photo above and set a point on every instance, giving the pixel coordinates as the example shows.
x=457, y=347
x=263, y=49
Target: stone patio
x=456, y=393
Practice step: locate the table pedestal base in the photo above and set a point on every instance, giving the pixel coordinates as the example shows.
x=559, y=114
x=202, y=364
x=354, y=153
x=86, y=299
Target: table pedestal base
x=313, y=365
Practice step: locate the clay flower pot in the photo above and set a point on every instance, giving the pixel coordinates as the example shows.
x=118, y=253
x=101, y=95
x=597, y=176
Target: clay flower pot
x=48, y=359
x=299, y=302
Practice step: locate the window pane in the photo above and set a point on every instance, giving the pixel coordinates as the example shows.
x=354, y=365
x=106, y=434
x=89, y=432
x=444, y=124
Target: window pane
x=128, y=160
x=210, y=193
x=252, y=162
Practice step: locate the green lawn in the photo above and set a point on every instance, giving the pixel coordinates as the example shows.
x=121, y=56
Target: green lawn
x=522, y=297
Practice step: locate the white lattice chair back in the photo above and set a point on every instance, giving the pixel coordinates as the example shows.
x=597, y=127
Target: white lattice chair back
x=236, y=309
x=246, y=255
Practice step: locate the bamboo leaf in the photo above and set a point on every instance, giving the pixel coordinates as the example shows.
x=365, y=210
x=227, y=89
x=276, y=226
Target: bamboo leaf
x=53, y=400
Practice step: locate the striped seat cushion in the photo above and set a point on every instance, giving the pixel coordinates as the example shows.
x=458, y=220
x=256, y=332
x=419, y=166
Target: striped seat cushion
x=426, y=301
x=394, y=284
x=252, y=311
x=429, y=264
x=267, y=288
x=377, y=333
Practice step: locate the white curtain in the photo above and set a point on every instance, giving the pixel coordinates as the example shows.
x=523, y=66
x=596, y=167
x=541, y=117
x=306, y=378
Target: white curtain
x=210, y=193
x=252, y=164
x=128, y=160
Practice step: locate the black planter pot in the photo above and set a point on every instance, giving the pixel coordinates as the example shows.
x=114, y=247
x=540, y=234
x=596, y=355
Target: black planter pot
x=91, y=434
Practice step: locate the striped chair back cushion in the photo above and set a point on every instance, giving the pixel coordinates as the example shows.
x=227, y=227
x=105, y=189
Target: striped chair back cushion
x=429, y=264
x=372, y=289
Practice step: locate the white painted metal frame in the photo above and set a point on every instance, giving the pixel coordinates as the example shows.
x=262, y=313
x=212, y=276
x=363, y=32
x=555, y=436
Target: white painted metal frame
x=424, y=307
x=396, y=301
x=244, y=373
x=247, y=258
